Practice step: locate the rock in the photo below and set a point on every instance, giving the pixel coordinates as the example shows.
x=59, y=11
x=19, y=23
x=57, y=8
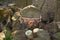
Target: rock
x=51, y=27
x=58, y=23
x=38, y=3
x=20, y=35
x=46, y=6
x=42, y=35
x=30, y=12
x=56, y=36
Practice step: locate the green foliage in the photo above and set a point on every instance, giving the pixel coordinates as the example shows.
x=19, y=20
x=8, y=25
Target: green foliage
x=8, y=35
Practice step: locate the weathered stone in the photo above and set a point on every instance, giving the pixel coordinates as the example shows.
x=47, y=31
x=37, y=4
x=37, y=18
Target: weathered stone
x=58, y=15
x=51, y=27
x=30, y=12
x=42, y=35
x=20, y=35
x=38, y=3
x=46, y=6
x=49, y=4
x=58, y=23
x=58, y=4
x=56, y=36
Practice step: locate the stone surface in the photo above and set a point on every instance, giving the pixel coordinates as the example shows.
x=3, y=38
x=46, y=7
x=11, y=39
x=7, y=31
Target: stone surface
x=30, y=12
x=58, y=6
x=56, y=36
x=38, y=3
x=58, y=3
x=42, y=35
x=51, y=27
x=46, y=6
x=20, y=35
x=58, y=23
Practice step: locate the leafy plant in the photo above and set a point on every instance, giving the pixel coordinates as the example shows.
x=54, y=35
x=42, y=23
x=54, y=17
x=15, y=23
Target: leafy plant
x=8, y=35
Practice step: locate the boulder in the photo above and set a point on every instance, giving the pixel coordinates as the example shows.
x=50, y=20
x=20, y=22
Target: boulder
x=42, y=35
x=20, y=35
x=56, y=36
x=30, y=12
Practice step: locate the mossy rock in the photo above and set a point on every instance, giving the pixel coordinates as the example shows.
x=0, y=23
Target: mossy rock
x=57, y=35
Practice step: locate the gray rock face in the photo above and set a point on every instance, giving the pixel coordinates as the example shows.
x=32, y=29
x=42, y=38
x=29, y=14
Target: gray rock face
x=56, y=36
x=20, y=35
x=30, y=12
x=42, y=35
x=38, y=3
x=46, y=6
x=58, y=6
x=58, y=23
x=50, y=27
